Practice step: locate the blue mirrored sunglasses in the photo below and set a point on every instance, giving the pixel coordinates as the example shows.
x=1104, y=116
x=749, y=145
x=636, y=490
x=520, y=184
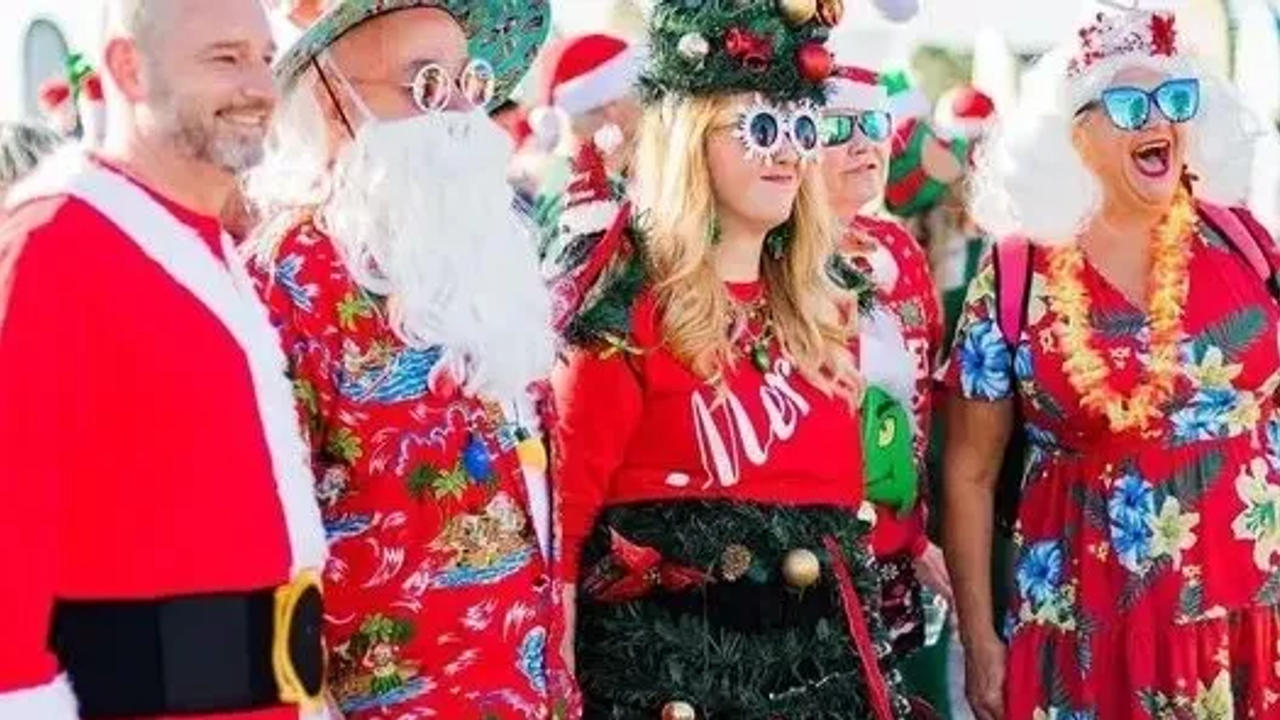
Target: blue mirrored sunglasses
x=1129, y=108
x=838, y=129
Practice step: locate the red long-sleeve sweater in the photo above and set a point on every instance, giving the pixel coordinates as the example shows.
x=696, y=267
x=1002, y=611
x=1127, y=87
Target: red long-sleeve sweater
x=641, y=426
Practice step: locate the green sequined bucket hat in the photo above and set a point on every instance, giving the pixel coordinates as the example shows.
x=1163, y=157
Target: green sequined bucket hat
x=506, y=33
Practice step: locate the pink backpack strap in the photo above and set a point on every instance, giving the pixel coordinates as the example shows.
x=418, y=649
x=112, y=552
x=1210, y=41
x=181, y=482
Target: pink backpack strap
x=1239, y=235
x=1013, y=282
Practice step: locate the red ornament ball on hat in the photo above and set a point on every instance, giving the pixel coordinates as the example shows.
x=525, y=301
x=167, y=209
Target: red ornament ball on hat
x=815, y=61
x=753, y=51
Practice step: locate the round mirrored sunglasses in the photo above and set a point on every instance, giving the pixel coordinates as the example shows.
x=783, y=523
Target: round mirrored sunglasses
x=433, y=87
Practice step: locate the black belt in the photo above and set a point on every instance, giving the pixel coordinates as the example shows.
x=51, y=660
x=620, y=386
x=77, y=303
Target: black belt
x=192, y=655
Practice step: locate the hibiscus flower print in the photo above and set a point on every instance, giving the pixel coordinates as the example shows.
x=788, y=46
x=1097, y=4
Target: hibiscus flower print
x=1273, y=442
x=1260, y=519
x=1022, y=361
x=1206, y=416
x=1039, y=572
x=1131, y=509
x=984, y=362
x=1215, y=701
x=1172, y=531
x=1209, y=368
x=1244, y=416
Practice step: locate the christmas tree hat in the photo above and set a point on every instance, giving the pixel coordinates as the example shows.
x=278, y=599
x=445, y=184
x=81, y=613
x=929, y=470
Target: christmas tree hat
x=711, y=47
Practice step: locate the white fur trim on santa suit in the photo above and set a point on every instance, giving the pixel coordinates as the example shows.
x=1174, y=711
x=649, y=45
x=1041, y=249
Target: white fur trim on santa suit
x=910, y=104
x=846, y=94
x=593, y=217
x=884, y=359
x=51, y=701
x=93, y=121
x=951, y=126
x=228, y=292
x=613, y=80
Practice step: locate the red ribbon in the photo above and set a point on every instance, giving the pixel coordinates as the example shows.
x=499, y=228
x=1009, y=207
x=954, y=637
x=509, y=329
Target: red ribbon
x=753, y=51
x=877, y=687
x=632, y=571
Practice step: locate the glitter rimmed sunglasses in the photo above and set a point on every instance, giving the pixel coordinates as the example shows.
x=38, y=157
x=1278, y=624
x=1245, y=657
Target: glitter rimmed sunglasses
x=763, y=128
x=1129, y=108
x=839, y=128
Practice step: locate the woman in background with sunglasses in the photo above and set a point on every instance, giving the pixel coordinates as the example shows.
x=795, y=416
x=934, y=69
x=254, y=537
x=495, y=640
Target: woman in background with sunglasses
x=899, y=339
x=709, y=455
x=1128, y=327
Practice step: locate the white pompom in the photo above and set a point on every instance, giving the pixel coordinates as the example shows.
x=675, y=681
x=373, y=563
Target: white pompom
x=547, y=126
x=898, y=10
x=608, y=138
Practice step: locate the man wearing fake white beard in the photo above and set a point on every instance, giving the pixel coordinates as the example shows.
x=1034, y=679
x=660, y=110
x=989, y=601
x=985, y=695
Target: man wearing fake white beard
x=410, y=304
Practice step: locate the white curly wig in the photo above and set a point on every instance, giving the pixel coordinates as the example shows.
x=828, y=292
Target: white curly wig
x=1031, y=181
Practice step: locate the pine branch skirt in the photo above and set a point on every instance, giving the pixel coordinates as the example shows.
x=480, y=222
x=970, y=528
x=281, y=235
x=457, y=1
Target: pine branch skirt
x=743, y=646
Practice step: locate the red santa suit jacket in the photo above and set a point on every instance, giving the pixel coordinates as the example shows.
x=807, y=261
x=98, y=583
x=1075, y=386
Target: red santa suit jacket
x=150, y=445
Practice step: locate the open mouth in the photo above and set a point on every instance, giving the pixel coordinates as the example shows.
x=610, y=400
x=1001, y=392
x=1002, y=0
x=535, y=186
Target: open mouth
x=1153, y=158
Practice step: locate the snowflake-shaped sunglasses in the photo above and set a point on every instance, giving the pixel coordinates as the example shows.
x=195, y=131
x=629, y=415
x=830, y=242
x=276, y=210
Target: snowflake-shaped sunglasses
x=762, y=128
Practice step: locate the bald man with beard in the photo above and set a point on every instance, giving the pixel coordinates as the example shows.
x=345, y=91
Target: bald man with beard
x=158, y=532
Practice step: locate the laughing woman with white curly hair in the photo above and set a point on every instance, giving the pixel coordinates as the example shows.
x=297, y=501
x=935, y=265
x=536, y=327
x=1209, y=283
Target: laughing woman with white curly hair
x=1128, y=323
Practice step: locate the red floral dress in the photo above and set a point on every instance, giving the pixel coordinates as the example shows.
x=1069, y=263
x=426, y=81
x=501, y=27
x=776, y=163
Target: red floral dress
x=439, y=602
x=1147, y=564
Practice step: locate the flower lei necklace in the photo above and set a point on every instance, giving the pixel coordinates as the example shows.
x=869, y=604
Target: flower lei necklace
x=1086, y=368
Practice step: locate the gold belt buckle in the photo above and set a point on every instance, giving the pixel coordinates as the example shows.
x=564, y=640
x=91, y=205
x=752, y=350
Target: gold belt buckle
x=294, y=689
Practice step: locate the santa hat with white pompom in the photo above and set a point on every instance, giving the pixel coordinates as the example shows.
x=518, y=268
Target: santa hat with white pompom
x=590, y=72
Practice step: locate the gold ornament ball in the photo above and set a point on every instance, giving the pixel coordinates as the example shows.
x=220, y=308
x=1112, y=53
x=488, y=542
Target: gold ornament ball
x=801, y=568
x=798, y=12
x=677, y=710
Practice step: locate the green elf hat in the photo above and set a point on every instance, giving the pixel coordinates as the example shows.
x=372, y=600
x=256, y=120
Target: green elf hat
x=506, y=33
x=710, y=47
x=913, y=188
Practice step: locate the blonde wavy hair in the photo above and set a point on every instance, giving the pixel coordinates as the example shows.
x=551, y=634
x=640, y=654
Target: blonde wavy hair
x=673, y=191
